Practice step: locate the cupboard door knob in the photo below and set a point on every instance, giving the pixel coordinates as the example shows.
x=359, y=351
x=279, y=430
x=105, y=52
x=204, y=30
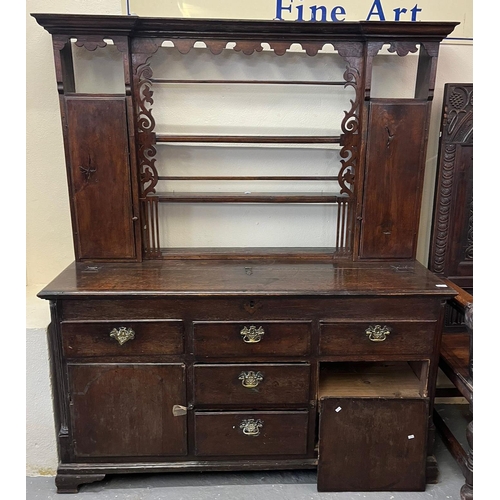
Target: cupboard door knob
x=252, y=335
x=377, y=333
x=251, y=427
x=122, y=334
x=251, y=379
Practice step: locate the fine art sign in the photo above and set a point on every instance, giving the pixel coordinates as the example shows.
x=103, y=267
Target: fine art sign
x=314, y=10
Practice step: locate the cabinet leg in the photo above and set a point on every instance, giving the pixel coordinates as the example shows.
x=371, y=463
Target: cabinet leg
x=466, y=490
x=432, y=470
x=69, y=483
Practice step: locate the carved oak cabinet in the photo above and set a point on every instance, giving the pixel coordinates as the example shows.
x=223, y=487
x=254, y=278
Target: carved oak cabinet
x=182, y=359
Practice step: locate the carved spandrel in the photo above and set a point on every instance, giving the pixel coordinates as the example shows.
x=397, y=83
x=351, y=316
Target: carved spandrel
x=350, y=126
x=142, y=51
x=458, y=123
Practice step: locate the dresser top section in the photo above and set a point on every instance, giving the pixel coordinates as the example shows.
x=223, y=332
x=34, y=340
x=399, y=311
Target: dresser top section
x=77, y=24
x=240, y=277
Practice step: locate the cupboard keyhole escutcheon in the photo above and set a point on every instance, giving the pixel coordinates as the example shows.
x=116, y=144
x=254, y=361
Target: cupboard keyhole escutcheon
x=251, y=379
x=122, y=334
x=251, y=427
x=252, y=335
x=377, y=333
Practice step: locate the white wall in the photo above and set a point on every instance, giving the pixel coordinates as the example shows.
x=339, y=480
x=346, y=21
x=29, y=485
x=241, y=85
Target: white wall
x=49, y=247
x=49, y=243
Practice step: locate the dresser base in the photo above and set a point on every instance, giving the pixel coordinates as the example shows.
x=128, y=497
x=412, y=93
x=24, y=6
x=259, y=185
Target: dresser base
x=71, y=476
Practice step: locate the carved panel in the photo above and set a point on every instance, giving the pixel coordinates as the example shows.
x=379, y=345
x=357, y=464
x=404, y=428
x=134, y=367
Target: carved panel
x=451, y=250
x=457, y=120
x=142, y=51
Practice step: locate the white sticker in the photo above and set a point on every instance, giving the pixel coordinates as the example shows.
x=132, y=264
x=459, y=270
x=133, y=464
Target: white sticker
x=442, y=286
x=338, y=409
x=411, y=436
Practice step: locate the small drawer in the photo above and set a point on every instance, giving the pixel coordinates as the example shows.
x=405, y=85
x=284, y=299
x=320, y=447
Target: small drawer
x=377, y=337
x=268, y=338
x=260, y=433
x=117, y=338
x=258, y=383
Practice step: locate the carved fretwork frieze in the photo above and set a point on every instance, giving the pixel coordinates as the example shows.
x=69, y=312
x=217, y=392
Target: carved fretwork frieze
x=458, y=122
x=142, y=52
x=350, y=126
x=402, y=48
x=249, y=47
x=91, y=42
x=443, y=210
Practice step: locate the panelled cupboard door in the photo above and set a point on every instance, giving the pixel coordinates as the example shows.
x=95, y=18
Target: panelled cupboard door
x=393, y=181
x=372, y=444
x=100, y=178
x=125, y=409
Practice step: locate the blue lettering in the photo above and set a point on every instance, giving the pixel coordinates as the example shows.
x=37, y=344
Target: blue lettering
x=300, y=12
x=280, y=9
x=314, y=10
x=398, y=12
x=414, y=12
x=335, y=12
x=376, y=10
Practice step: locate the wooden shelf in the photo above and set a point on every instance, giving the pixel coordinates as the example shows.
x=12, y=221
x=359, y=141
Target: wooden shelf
x=199, y=197
x=245, y=253
x=248, y=82
x=250, y=139
x=369, y=380
x=331, y=178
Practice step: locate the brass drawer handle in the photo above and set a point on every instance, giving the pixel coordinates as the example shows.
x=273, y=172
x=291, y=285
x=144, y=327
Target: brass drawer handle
x=122, y=334
x=251, y=427
x=377, y=333
x=251, y=379
x=252, y=335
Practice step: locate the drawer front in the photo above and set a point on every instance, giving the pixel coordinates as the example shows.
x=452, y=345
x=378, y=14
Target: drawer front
x=251, y=433
x=372, y=444
x=117, y=338
x=376, y=338
x=268, y=338
x=258, y=383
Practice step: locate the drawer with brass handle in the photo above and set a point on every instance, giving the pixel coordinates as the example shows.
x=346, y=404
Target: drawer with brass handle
x=250, y=384
x=263, y=338
x=251, y=433
x=377, y=337
x=116, y=338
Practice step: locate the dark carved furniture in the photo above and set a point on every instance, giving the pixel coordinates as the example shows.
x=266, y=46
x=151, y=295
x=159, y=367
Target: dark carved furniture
x=169, y=359
x=451, y=255
x=456, y=362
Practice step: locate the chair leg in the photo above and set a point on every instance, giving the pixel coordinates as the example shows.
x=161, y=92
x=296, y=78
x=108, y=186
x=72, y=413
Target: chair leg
x=466, y=490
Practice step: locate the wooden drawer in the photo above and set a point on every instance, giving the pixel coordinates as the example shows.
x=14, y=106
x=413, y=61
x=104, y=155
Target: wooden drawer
x=364, y=338
x=94, y=338
x=268, y=338
x=269, y=433
x=240, y=384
